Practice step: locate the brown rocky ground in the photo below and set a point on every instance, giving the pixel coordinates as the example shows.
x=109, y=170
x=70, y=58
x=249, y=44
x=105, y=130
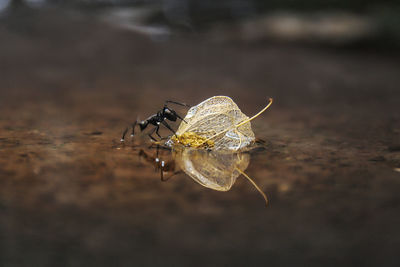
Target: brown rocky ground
x=71, y=195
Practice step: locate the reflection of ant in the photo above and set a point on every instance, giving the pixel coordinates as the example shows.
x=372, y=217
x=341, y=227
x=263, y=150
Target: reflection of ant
x=159, y=164
x=165, y=113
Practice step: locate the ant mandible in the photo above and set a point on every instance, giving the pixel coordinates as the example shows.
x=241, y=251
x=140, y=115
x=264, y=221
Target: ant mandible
x=165, y=113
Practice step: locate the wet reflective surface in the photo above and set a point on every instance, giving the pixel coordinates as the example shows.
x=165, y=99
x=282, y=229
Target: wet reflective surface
x=214, y=169
x=72, y=195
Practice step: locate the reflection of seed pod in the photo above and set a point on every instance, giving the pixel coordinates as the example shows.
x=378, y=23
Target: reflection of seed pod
x=217, y=170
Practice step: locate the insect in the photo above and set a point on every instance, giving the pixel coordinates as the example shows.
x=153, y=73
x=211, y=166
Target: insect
x=166, y=113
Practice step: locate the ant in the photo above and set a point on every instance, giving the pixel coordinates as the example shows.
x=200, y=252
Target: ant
x=165, y=113
x=159, y=164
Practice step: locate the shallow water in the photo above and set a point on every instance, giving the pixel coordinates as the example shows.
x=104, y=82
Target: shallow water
x=71, y=194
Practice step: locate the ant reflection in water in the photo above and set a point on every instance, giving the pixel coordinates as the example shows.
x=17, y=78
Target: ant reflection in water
x=159, y=164
x=166, y=113
x=217, y=170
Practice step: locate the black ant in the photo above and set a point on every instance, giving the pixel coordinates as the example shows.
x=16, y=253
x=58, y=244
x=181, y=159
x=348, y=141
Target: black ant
x=165, y=113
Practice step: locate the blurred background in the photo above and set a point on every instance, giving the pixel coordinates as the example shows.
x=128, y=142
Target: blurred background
x=370, y=23
x=74, y=74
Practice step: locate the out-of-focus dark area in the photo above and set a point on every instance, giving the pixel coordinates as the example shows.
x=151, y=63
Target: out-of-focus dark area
x=74, y=74
x=371, y=23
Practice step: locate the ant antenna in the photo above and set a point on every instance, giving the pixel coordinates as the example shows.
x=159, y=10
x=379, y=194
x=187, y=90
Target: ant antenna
x=182, y=119
x=177, y=103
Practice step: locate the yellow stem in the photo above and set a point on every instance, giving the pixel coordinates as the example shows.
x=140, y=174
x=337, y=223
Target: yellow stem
x=243, y=122
x=258, y=114
x=255, y=185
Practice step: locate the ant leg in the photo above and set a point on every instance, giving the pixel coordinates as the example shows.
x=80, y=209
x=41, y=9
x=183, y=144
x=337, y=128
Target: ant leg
x=158, y=128
x=152, y=138
x=123, y=135
x=150, y=134
x=126, y=131
x=168, y=127
x=133, y=128
x=162, y=164
x=162, y=174
x=177, y=103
